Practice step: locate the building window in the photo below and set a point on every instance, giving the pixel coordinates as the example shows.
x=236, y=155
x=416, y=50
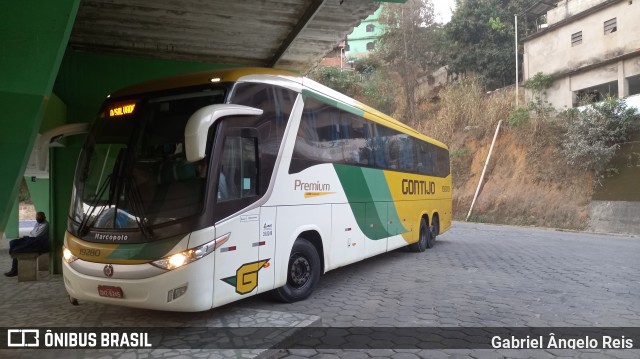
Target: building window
x=576, y=39
x=370, y=46
x=610, y=26
x=371, y=27
x=634, y=85
x=595, y=94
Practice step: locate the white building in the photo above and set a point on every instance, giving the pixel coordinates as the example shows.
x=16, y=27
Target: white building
x=590, y=47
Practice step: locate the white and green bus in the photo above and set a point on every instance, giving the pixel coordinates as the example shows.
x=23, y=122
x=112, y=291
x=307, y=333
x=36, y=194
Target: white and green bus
x=196, y=191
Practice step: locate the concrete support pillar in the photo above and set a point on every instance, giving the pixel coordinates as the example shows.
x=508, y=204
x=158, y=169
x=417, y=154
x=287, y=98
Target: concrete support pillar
x=34, y=38
x=62, y=163
x=623, y=83
x=11, y=229
x=570, y=96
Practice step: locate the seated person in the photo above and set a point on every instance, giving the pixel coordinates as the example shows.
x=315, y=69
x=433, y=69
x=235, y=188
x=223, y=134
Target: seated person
x=36, y=241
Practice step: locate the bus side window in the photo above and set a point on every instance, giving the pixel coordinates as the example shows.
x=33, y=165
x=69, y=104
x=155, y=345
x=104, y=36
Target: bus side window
x=378, y=144
x=276, y=104
x=444, y=164
x=407, y=162
x=357, y=143
x=426, y=159
x=238, y=173
x=320, y=136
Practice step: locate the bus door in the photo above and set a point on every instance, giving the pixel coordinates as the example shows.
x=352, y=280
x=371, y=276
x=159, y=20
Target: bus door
x=237, y=262
x=267, y=248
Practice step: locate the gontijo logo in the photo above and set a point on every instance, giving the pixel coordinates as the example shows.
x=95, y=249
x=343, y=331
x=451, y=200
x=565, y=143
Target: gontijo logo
x=418, y=187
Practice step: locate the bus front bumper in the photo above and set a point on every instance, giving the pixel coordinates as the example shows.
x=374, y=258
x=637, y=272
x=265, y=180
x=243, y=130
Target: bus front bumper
x=156, y=292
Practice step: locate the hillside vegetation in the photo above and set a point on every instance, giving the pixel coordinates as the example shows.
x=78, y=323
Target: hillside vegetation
x=545, y=165
x=528, y=181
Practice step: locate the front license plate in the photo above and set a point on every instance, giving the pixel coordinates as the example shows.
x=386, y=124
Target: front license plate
x=110, y=291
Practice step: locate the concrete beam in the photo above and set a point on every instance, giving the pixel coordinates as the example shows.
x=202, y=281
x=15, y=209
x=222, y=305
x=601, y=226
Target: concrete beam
x=34, y=35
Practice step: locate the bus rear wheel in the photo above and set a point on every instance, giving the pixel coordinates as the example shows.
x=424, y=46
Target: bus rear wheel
x=435, y=228
x=425, y=240
x=303, y=272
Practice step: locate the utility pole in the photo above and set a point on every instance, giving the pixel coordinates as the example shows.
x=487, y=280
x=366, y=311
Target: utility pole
x=517, y=77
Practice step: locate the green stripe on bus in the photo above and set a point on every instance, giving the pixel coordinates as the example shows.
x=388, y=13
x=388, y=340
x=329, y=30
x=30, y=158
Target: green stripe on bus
x=377, y=183
x=333, y=102
x=372, y=217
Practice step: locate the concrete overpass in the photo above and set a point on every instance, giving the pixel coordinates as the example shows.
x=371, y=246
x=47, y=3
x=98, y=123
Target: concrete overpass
x=60, y=59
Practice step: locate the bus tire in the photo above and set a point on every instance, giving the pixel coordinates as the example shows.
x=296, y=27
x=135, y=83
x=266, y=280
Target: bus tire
x=424, y=239
x=435, y=228
x=303, y=273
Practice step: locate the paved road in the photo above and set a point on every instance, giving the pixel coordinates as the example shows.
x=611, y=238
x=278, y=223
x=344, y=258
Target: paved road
x=484, y=275
x=477, y=275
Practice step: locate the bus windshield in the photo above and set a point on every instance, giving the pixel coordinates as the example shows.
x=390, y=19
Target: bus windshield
x=133, y=172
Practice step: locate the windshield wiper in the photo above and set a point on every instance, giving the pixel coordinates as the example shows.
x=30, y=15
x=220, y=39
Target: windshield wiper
x=135, y=198
x=112, y=185
x=92, y=207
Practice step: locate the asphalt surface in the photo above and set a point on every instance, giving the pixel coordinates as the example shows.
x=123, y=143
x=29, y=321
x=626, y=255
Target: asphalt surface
x=476, y=276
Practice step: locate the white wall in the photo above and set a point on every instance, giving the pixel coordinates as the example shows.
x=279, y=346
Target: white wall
x=566, y=8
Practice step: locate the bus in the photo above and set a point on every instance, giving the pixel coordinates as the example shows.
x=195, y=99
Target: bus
x=199, y=190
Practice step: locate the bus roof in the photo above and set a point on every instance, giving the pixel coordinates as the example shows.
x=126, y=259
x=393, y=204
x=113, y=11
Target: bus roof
x=200, y=78
x=309, y=87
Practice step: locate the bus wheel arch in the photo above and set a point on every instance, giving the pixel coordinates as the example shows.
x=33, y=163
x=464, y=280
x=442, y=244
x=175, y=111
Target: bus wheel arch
x=303, y=270
x=314, y=238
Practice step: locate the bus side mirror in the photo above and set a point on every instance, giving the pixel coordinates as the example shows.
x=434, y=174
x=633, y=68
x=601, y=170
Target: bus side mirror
x=195, y=133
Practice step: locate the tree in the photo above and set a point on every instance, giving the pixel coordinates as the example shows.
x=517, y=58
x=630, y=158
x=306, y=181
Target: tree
x=410, y=45
x=481, y=38
x=370, y=83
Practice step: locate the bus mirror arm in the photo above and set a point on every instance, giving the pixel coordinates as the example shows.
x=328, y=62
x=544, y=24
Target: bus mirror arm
x=195, y=133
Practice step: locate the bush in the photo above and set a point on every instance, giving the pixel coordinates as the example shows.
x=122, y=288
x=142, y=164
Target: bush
x=518, y=117
x=465, y=104
x=379, y=91
x=460, y=152
x=539, y=84
x=335, y=78
x=594, y=134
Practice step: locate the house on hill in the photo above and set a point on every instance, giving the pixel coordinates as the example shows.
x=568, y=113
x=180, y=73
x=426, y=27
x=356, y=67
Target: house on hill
x=590, y=47
x=362, y=40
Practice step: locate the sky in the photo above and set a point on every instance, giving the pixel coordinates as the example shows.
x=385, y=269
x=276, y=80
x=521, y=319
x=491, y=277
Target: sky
x=443, y=10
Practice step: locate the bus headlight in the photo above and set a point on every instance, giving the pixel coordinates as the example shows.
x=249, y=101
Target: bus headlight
x=180, y=259
x=67, y=255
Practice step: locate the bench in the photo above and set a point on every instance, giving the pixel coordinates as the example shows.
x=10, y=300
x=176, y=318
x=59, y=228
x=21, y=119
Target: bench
x=30, y=263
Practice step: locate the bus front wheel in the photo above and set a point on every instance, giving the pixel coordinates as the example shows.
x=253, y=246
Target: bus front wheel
x=303, y=272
